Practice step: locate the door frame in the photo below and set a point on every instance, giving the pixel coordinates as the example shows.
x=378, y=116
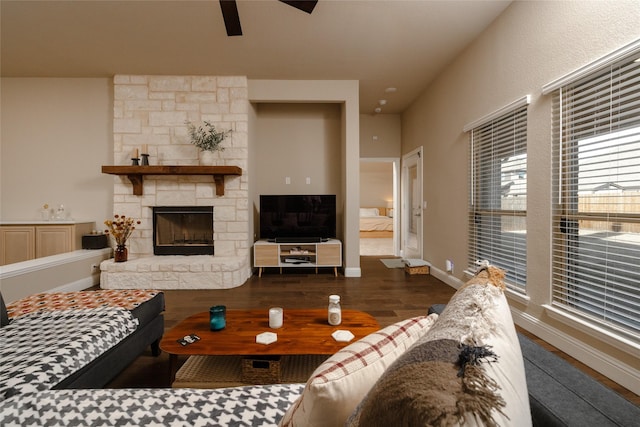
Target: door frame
x=405, y=210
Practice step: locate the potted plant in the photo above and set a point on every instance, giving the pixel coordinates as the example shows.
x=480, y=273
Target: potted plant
x=207, y=138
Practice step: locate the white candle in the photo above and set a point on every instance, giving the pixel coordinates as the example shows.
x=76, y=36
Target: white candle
x=145, y=149
x=275, y=317
x=135, y=153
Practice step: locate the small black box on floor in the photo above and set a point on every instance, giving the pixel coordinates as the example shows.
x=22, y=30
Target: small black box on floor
x=94, y=241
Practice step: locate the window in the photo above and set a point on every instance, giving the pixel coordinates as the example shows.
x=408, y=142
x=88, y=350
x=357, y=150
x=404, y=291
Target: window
x=498, y=196
x=596, y=222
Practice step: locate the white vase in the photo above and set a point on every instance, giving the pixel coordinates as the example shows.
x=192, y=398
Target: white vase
x=208, y=158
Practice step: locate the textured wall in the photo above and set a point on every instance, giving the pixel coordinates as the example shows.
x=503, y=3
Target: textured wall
x=152, y=110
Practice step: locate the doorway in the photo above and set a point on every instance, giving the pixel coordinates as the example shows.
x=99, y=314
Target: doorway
x=379, y=203
x=412, y=204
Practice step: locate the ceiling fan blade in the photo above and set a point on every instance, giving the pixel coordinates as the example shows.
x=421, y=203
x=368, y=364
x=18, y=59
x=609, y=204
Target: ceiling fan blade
x=231, y=18
x=303, y=5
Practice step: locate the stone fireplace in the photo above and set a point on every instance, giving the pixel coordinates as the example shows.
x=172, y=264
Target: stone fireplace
x=150, y=113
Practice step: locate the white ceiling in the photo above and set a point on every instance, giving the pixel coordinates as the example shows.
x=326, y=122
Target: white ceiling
x=381, y=43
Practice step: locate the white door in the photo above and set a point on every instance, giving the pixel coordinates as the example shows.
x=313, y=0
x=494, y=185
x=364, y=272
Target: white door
x=412, y=204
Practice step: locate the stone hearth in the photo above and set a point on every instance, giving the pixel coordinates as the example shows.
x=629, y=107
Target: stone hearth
x=174, y=272
x=151, y=111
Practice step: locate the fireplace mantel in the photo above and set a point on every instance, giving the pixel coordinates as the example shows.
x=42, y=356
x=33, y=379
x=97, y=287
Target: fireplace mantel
x=136, y=173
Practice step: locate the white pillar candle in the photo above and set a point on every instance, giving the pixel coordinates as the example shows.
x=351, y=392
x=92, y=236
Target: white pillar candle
x=275, y=317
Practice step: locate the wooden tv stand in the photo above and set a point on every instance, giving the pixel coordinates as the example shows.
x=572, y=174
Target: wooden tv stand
x=284, y=255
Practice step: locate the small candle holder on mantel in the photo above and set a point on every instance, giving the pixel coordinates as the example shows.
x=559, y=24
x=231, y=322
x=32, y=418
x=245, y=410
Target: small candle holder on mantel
x=135, y=160
x=145, y=155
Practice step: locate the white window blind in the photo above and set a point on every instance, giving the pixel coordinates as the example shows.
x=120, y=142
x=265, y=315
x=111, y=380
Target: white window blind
x=596, y=222
x=498, y=196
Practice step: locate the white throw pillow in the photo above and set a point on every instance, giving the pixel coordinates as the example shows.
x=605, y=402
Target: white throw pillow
x=369, y=212
x=340, y=383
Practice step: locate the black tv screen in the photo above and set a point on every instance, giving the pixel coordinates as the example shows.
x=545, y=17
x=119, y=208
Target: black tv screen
x=297, y=216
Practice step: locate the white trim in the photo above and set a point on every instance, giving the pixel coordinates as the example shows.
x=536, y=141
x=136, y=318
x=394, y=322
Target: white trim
x=622, y=373
x=445, y=277
x=521, y=102
x=407, y=211
x=39, y=264
x=615, y=340
x=517, y=296
x=596, y=65
x=352, y=272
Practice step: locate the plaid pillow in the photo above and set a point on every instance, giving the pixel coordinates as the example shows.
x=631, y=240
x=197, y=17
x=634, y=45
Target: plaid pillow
x=342, y=381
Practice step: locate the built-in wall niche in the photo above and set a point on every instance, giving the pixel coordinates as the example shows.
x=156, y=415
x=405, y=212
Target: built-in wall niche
x=183, y=230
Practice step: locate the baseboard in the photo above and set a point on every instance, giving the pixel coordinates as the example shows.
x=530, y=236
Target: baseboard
x=447, y=278
x=621, y=373
x=352, y=272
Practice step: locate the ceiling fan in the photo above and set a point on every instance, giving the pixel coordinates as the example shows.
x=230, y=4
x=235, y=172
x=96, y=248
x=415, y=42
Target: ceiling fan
x=232, y=19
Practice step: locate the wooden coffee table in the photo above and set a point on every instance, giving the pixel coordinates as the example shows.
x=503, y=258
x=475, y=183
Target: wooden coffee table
x=304, y=331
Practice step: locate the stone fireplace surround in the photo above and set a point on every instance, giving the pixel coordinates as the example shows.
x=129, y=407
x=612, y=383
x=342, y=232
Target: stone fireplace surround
x=151, y=111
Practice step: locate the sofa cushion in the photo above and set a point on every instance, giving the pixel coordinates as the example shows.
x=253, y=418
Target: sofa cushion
x=429, y=386
x=144, y=304
x=338, y=384
x=41, y=349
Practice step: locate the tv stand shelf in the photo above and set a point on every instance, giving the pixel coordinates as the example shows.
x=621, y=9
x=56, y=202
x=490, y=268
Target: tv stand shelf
x=284, y=255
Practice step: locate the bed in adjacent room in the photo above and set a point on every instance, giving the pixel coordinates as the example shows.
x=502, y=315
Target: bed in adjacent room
x=375, y=223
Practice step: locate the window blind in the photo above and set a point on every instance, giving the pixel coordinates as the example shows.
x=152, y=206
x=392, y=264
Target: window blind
x=498, y=196
x=596, y=221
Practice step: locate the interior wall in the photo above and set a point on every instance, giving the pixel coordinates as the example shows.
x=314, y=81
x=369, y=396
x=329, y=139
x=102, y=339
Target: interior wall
x=297, y=142
x=529, y=45
x=380, y=135
x=345, y=94
x=376, y=184
x=56, y=134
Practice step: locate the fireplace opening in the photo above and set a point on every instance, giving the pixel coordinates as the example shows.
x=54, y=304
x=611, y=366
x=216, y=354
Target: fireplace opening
x=183, y=230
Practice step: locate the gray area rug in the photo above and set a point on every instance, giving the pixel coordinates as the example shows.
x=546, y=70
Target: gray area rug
x=393, y=262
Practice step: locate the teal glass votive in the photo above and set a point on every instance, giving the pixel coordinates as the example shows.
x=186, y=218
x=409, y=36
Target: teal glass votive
x=217, y=317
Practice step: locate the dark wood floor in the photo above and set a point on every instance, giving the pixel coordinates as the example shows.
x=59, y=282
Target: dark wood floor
x=387, y=294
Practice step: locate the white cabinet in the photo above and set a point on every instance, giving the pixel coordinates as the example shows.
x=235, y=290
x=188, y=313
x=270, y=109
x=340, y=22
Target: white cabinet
x=283, y=255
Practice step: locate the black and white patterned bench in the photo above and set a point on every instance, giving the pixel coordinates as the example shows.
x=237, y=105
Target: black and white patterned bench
x=146, y=306
x=41, y=349
x=257, y=406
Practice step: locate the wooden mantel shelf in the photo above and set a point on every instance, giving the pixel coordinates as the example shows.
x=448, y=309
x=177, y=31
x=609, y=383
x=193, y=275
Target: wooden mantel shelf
x=136, y=173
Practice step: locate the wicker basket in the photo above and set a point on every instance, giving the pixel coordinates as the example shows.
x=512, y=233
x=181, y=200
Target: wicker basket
x=423, y=269
x=261, y=370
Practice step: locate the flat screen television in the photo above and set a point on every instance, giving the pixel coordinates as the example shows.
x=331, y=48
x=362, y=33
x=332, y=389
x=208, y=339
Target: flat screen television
x=297, y=218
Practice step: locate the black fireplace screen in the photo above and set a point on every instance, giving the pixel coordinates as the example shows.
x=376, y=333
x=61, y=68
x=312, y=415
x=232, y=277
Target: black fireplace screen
x=183, y=230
